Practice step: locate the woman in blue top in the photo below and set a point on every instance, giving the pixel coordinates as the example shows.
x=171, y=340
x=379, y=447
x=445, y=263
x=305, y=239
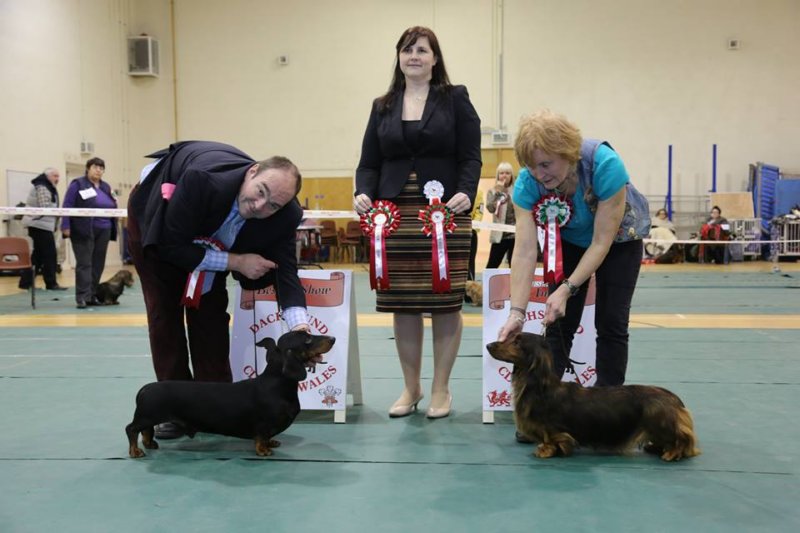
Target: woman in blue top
x=603, y=236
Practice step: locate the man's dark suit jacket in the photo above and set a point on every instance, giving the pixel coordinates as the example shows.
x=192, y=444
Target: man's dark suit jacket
x=449, y=147
x=207, y=178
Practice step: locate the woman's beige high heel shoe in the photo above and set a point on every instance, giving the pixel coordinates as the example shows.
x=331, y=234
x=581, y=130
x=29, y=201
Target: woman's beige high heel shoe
x=441, y=412
x=399, y=410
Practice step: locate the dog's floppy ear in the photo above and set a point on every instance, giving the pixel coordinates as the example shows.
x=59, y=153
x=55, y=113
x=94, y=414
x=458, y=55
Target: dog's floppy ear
x=293, y=367
x=268, y=343
x=542, y=362
x=541, y=374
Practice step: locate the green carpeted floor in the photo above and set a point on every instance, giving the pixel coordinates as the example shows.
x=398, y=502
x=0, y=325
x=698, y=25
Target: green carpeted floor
x=66, y=394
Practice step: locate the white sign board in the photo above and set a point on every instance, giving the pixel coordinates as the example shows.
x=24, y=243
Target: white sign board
x=330, y=310
x=496, y=307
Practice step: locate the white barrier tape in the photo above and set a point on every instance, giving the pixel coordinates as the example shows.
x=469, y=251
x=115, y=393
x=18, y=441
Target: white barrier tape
x=63, y=212
x=732, y=241
x=82, y=212
x=479, y=224
x=330, y=214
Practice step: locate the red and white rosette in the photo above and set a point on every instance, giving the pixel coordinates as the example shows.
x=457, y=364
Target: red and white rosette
x=378, y=223
x=194, y=283
x=551, y=213
x=437, y=221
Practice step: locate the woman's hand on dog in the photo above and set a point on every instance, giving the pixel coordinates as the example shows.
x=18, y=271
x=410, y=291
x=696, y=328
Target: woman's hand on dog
x=510, y=329
x=555, y=308
x=252, y=266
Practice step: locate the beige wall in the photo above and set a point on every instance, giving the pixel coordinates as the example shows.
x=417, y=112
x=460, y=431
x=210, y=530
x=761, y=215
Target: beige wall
x=640, y=73
x=648, y=73
x=341, y=55
x=64, y=80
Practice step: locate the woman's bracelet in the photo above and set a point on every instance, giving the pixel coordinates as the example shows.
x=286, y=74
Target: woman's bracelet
x=518, y=317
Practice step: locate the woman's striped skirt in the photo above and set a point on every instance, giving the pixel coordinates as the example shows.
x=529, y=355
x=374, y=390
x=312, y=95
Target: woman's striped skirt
x=408, y=253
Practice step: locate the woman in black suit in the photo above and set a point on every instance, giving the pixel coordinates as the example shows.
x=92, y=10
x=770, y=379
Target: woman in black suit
x=422, y=130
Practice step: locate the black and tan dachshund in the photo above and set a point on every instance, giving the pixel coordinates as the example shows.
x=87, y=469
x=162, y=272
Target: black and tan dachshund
x=257, y=408
x=109, y=291
x=560, y=416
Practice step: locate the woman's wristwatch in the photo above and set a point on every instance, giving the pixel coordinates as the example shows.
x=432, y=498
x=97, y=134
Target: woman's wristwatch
x=573, y=289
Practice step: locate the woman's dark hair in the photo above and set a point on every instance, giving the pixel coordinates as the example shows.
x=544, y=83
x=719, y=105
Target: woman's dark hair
x=439, y=80
x=95, y=161
x=717, y=208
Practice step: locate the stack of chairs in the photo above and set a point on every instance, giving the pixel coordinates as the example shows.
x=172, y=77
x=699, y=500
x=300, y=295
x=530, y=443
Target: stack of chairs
x=328, y=236
x=351, y=240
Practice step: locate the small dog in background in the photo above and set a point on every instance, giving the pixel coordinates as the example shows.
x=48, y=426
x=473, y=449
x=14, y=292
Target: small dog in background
x=674, y=255
x=561, y=416
x=109, y=291
x=474, y=291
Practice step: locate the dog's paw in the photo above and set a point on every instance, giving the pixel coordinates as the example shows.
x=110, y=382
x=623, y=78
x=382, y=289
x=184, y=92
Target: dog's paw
x=264, y=446
x=135, y=452
x=263, y=451
x=152, y=444
x=672, y=455
x=545, y=451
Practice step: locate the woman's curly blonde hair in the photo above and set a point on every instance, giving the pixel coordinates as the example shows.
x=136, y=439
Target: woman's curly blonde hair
x=551, y=133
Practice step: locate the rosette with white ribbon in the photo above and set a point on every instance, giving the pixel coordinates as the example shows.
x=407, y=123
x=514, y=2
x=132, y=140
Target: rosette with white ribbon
x=194, y=283
x=433, y=190
x=437, y=221
x=551, y=213
x=379, y=222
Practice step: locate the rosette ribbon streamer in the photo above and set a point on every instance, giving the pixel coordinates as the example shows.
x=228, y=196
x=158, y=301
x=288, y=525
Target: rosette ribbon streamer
x=196, y=280
x=437, y=221
x=378, y=223
x=551, y=213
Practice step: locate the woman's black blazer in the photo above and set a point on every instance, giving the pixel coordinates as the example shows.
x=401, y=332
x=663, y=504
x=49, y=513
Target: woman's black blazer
x=449, y=147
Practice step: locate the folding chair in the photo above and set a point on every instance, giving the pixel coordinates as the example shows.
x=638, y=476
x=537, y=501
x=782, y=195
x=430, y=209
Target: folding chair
x=15, y=255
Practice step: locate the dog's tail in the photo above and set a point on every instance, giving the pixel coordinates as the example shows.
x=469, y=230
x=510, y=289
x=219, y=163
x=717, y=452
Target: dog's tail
x=685, y=433
x=685, y=442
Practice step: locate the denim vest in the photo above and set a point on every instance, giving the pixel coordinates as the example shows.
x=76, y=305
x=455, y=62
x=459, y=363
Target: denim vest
x=636, y=221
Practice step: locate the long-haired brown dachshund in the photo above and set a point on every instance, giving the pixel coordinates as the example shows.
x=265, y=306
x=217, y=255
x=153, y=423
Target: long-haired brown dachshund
x=561, y=416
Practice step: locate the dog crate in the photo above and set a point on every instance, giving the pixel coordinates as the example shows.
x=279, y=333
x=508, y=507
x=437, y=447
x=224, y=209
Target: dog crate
x=789, y=231
x=746, y=229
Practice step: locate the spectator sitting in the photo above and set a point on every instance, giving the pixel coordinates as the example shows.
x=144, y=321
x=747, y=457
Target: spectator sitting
x=661, y=221
x=661, y=229
x=716, y=228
